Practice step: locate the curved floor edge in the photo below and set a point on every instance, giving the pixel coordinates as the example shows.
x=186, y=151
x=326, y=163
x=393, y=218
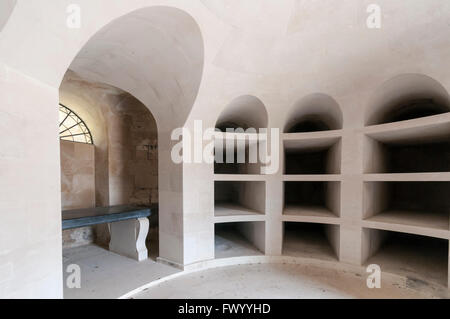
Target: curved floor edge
x=432, y=288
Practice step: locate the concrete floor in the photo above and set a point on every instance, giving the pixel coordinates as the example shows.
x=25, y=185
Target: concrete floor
x=108, y=275
x=275, y=281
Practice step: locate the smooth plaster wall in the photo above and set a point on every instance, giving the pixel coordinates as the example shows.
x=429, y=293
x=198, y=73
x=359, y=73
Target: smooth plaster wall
x=279, y=52
x=77, y=175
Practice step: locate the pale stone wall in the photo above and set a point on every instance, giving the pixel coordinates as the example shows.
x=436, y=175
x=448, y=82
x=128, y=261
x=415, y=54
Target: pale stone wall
x=77, y=187
x=77, y=175
x=133, y=153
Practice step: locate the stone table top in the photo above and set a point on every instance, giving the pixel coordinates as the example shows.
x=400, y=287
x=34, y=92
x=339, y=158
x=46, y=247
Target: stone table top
x=76, y=218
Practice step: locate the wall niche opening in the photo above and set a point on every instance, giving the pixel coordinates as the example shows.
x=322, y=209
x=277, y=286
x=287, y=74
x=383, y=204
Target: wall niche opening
x=414, y=109
x=407, y=97
x=312, y=198
x=309, y=125
x=407, y=156
x=419, y=258
x=311, y=240
x=313, y=159
x=423, y=204
x=244, y=112
x=239, y=198
x=242, y=157
x=239, y=239
x=314, y=113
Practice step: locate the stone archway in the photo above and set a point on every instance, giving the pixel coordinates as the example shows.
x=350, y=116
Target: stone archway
x=156, y=55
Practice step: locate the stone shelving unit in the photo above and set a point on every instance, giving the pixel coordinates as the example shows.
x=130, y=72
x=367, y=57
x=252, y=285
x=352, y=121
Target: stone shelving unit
x=312, y=192
x=406, y=210
x=239, y=209
x=354, y=194
x=240, y=188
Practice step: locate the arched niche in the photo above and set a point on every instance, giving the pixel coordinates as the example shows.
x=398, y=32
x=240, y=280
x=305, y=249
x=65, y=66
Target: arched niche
x=406, y=97
x=315, y=112
x=243, y=112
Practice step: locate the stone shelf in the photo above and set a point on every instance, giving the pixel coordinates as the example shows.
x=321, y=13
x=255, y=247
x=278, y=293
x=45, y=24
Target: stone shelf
x=310, y=141
x=239, y=177
x=248, y=137
x=413, y=222
x=425, y=129
x=309, y=214
x=228, y=212
x=408, y=177
x=313, y=178
x=312, y=135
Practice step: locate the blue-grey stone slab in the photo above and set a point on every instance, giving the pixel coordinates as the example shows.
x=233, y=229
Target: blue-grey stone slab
x=76, y=218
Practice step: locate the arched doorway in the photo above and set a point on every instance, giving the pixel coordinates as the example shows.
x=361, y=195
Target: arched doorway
x=118, y=167
x=154, y=56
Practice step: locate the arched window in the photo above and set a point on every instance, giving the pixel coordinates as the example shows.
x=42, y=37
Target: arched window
x=72, y=128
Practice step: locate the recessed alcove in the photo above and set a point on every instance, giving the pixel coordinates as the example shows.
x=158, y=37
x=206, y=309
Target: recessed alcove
x=419, y=204
x=245, y=112
x=311, y=240
x=239, y=198
x=407, y=156
x=238, y=155
x=414, y=109
x=314, y=113
x=314, y=158
x=418, y=258
x=239, y=239
x=321, y=199
x=238, y=151
x=407, y=97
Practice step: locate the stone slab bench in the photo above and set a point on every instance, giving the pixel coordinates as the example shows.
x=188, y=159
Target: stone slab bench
x=128, y=226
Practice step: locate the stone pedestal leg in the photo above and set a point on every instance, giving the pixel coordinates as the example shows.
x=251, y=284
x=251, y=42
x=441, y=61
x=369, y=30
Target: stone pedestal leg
x=128, y=238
